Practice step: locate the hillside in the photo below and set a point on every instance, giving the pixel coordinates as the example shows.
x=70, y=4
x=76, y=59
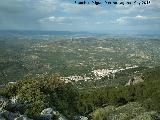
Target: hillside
x=34, y=94
x=55, y=77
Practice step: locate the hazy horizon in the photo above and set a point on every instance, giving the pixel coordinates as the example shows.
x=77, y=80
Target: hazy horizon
x=58, y=15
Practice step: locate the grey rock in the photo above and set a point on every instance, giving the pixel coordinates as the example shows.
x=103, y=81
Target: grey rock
x=14, y=100
x=51, y=113
x=3, y=102
x=47, y=111
x=62, y=118
x=81, y=118
x=12, y=104
x=22, y=117
x=8, y=115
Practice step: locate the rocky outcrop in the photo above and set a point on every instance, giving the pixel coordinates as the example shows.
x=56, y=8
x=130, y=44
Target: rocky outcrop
x=6, y=105
x=135, y=80
x=22, y=117
x=13, y=104
x=47, y=113
x=6, y=115
x=52, y=114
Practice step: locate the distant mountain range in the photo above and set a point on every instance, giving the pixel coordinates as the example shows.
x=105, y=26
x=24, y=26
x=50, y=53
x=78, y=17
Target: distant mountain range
x=74, y=33
x=32, y=32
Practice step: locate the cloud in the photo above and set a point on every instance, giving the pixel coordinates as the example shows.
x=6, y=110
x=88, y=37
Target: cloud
x=136, y=8
x=31, y=14
x=64, y=14
x=121, y=21
x=60, y=20
x=139, y=19
x=28, y=6
x=155, y=5
x=99, y=23
x=84, y=10
x=23, y=14
x=53, y=19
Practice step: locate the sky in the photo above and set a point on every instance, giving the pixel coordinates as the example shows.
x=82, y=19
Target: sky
x=66, y=15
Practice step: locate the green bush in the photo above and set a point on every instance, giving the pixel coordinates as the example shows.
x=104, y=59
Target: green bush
x=44, y=91
x=103, y=113
x=127, y=112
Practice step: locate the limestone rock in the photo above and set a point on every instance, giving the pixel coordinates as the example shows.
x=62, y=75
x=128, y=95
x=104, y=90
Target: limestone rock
x=47, y=111
x=135, y=80
x=81, y=118
x=62, y=118
x=22, y=117
x=3, y=102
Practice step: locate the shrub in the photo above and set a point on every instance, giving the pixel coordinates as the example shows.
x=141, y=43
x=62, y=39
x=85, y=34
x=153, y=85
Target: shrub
x=44, y=91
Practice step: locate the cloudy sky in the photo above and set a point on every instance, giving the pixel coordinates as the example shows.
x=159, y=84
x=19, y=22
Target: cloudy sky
x=66, y=15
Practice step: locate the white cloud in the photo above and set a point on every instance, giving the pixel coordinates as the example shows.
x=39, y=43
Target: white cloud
x=140, y=17
x=127, y=19
x=86, y=10
x=60, y=20
x=154, y=6
x=99, y=23
x=121, y=21
x=59, y=14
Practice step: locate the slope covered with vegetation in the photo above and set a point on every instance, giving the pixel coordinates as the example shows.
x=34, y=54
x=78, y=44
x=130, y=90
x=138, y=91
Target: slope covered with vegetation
x=49, y=91
x=100, y=77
